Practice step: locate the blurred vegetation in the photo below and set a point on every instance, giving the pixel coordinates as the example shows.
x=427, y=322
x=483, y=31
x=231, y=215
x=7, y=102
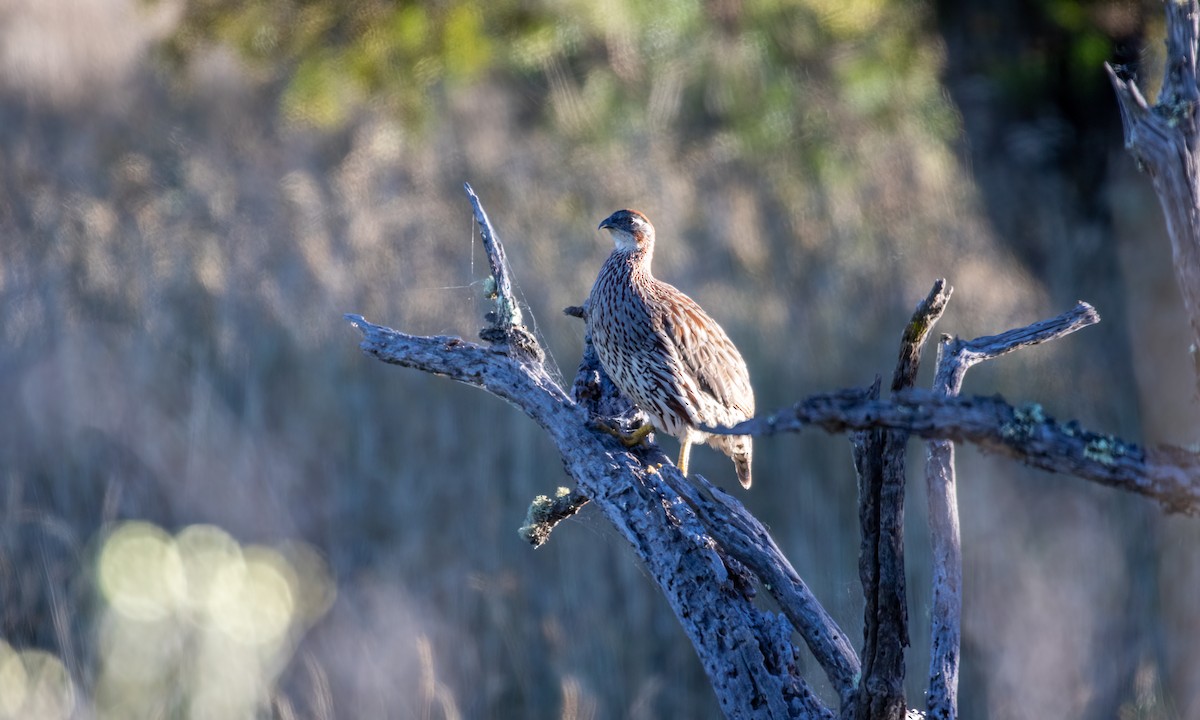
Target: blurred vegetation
x=191, y=194
x=740, y=69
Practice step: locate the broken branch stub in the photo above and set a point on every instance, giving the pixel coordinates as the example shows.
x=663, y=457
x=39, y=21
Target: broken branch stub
x=504, y=326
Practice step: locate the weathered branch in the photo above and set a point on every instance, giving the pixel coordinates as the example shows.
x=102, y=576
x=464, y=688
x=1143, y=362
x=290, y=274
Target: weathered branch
x=971, y=352
x=879, y=458
x=504, y=323
x=946, y=552
x=945, y=621
x=741, y=535
x=1163, y=141
x=878, y=687
x=923, y=320
x=1168, y=475
x=955, y=357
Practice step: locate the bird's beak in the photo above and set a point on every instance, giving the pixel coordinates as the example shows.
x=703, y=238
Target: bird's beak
x=606, y=223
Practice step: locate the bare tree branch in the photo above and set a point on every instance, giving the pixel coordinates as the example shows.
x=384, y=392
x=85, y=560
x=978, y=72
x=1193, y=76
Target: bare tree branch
x=741, y=535
x=701, y=547
x=955, y=357
x=945, y=620
x=879, y=691
x=1169, y=475
x=967, y=353
x=504, y=323
x=1163, y=141
x=879, y=458
x=924, y=318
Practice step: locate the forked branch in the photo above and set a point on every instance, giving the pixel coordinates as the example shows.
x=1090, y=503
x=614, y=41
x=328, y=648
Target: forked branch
x=879, y=459
x=955, y=357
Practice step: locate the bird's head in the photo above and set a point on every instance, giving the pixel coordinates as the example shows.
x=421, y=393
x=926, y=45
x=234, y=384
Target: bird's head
x=630, y=229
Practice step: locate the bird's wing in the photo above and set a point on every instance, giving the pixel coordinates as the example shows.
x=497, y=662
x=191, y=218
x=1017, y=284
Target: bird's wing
x=706, y=352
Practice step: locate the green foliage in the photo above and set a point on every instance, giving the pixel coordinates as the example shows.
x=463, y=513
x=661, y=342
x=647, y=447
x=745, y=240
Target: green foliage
x=1059, y=48
x=755, y=71
x=333, y=56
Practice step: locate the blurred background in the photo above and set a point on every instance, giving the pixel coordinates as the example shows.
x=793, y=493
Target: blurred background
x=213, y=506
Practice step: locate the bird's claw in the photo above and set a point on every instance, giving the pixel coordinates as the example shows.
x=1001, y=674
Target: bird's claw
x=630, y=439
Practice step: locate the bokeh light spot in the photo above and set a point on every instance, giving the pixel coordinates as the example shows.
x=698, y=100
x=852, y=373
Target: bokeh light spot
x=198, y=623
x=34, y=685
x=140, y=572
x=13, y=682
x=137, y=652
x=206, y=551
x=253, y=602
x=316, y=590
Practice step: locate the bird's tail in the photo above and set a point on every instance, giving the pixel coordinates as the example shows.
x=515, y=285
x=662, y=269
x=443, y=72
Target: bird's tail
x=742, y=463
x=741, y=449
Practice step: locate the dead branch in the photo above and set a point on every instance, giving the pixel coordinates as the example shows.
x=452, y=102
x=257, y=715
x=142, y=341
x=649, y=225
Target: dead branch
x=741, y=535
x=945, y=620
x=1164, y=141
x=879, y=457
x=504, y=323
x=955, y=357
x=1168, y=475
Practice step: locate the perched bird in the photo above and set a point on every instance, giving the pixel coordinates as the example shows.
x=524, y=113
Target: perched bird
x=664, y=352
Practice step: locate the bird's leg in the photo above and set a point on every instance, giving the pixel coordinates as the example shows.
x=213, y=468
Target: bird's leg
x=631, y=439
x=685, y=449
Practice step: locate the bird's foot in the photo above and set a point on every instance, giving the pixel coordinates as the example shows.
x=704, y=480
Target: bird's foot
x=631, y=439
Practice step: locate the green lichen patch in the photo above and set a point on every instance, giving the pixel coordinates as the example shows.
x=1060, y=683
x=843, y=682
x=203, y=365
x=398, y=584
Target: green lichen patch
x=489, y=288
x=1025, y=422
x=1104, y=449
x=537, y=527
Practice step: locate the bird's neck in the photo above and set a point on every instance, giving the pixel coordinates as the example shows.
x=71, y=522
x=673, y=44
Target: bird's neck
x=633, y=260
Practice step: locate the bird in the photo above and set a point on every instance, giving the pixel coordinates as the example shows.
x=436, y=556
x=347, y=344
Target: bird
x=664, y=352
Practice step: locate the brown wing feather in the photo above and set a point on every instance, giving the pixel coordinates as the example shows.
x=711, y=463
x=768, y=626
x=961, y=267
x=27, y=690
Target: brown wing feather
x=706, y=352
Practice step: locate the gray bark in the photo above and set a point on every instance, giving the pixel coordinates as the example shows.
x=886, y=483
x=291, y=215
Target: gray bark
x=1165, y=142
x=879, y=457
x=1169, y=475
x=746, y=540
x=955, y=357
